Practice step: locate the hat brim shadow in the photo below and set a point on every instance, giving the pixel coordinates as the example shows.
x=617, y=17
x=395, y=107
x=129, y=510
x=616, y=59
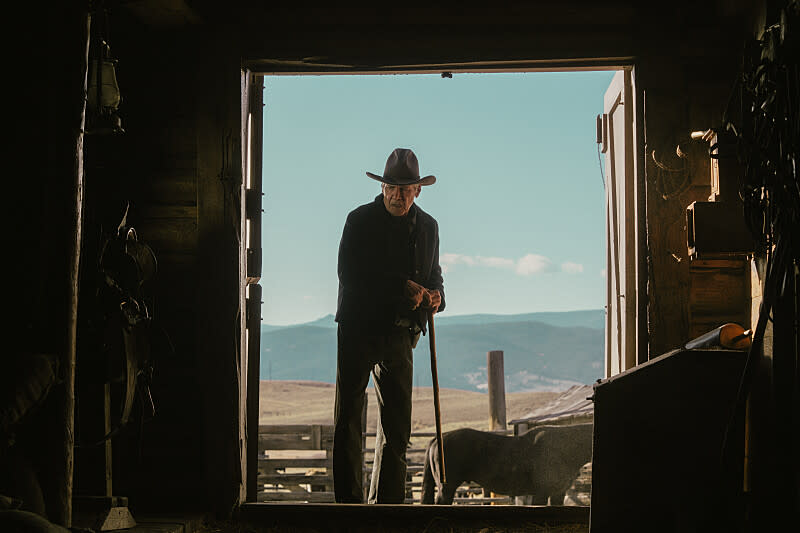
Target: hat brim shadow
x=427, y=180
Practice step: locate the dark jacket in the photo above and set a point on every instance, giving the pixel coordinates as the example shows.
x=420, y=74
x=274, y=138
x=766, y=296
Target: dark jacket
x=377, y=254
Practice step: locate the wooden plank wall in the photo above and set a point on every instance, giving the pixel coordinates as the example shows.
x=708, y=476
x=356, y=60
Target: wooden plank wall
x=682, y=94
x=219, y=295
x=159, y=178
x=719, y=292
x=178, y=164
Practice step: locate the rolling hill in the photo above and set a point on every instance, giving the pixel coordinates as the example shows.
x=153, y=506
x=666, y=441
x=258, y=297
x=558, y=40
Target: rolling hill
x=542, y=351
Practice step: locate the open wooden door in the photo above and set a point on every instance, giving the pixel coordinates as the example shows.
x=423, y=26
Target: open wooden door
x=622, y=220
x=252, y=135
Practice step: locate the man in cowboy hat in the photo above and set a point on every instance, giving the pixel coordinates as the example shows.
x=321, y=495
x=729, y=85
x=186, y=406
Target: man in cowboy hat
x=389, y=278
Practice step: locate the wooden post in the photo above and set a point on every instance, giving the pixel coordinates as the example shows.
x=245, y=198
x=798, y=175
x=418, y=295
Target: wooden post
x=497, y=390
x=58, y=491
x=364, y=480
x=253, y=387
x=108, y=483
x=220, y=262
x=497, y=394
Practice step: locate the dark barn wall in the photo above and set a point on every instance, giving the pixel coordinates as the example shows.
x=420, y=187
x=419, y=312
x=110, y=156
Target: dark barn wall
x=179, y=164
x=154, y=166
x=681, y=94
x=41, y=236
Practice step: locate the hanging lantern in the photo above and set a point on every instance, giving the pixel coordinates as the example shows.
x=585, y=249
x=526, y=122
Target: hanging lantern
x=103, y=89
x=103, y=96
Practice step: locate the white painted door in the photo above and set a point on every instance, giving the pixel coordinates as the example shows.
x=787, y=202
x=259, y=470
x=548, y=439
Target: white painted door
x=621, y=225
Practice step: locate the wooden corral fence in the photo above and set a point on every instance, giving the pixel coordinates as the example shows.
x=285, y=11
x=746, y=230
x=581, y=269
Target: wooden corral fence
x=295, y=464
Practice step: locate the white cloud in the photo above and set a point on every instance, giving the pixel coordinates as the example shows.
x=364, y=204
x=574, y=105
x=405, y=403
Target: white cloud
x=533, y=264
x=527, y=265
x=496, y=262
x=454, y=259
x=448, y=260
x=477, y=379
x=571, y=268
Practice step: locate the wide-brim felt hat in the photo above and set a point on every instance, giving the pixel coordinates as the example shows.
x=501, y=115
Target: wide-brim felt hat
x=402, y=168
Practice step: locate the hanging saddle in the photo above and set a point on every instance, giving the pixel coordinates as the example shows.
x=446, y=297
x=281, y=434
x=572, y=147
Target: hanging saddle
x=126, y=267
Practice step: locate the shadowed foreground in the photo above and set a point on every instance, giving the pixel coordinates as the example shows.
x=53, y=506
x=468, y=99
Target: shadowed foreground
x=349, y=518
x=435, y=526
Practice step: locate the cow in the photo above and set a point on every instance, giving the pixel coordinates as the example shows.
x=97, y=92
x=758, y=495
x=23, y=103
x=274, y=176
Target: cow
x=542, y=462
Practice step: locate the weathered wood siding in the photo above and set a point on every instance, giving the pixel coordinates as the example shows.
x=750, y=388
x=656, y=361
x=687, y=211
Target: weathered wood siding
x=681, y=95
x=179, y=166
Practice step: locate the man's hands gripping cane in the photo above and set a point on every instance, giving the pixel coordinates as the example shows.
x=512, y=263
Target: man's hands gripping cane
x=419, y=296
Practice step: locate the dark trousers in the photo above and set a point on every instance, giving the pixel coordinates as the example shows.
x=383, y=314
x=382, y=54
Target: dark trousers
x=389, y=358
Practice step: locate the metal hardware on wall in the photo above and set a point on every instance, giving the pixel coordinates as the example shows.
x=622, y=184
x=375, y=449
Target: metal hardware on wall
x=253, y=207
x=602, y=132
x=254, y=263
x=253, y=212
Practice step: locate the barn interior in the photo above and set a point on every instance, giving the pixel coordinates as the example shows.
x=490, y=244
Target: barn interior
x=172, y=149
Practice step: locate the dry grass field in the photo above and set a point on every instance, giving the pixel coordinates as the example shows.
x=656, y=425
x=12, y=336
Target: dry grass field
x=310, y=402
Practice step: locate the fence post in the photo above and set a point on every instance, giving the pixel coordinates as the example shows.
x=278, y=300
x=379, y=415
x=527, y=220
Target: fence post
x=497, y=390
x=497, y=394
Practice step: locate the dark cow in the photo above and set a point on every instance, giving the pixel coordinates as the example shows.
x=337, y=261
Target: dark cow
x=543, y=462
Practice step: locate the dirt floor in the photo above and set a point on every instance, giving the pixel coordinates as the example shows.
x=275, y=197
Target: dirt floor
x=333, y=518
x=433, y=527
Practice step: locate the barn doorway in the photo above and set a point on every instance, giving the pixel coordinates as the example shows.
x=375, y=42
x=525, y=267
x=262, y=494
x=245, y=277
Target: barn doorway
x=517, y=167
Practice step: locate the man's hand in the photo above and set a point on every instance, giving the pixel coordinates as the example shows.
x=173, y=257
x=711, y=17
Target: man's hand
x=431, y=300
x=415, y=293
x=419, y=296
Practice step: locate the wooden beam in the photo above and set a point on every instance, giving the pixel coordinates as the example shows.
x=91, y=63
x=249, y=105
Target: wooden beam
x=59, y=480
x=253, y=386
x=219, y=289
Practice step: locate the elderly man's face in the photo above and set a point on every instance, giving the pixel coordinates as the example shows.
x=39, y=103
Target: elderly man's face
x=398, y=198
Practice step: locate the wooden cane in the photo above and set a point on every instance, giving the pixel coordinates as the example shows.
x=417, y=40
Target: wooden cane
x=436, y=409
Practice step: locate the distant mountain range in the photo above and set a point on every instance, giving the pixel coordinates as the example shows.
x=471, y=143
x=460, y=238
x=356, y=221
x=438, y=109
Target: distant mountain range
x=542, y=351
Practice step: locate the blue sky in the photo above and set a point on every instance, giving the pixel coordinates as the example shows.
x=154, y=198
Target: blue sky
x=519, y=196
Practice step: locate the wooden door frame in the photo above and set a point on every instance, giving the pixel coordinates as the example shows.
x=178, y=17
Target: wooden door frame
x=258, y=70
